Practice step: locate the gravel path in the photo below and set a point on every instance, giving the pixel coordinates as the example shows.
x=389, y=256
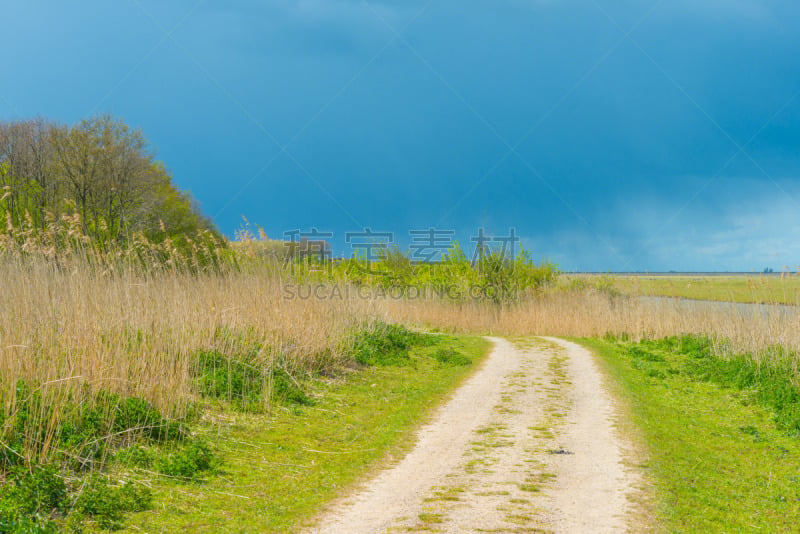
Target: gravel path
x=526, y=445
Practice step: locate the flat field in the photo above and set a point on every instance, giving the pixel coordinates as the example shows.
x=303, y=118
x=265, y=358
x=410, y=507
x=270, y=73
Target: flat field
x=745, y=288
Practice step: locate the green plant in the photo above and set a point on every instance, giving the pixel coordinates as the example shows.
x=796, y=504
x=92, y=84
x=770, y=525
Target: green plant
x=450, y=357
x=83, y=431
x=38, y=492
x=772, y=384
x=717, y=431
x=135, y=456
x=280, y=468
x=190, y=462
x=285, y=389
x=386, y=345
x=224, y=377
x=15, y=523
x=107, y=504
x=137, y=416
x=242, y=382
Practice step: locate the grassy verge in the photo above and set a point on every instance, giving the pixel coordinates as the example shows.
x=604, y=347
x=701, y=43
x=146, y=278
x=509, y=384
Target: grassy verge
x=722, y=434
x=278, y=469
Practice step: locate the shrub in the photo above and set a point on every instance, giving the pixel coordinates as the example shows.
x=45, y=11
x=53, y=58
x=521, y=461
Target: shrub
x=135, y=456
x=32, y=500
x=106, y=504
x=84, y=429
x=450, y=357
x=286, y=390
x=190, y=462
x=223, y=377
x=139, y=416
x=37, y=492
x=386, y=345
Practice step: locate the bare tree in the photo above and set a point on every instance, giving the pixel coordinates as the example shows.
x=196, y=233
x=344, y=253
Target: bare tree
x=77, y=157
x=25, y=169
x=100, y=167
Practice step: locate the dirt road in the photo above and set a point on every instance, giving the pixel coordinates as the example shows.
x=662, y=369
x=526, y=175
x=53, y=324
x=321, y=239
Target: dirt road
x=526, y=445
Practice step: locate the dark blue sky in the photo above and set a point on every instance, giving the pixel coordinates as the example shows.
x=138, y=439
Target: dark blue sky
x=612, y=134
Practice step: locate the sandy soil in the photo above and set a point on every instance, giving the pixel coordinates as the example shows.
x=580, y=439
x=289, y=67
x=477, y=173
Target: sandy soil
x=526, y=445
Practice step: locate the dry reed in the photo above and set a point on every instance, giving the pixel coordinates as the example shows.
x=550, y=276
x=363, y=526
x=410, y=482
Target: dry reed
x=762, y=331
x=73, y=331
x=137, y=335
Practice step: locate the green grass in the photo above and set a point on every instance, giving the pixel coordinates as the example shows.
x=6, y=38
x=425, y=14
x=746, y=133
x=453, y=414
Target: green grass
x=743, y=288
x=278, y=469
x=95, y=462
x=721, y=443
x=64, y=486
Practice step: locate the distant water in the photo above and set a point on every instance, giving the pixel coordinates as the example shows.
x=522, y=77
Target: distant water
x=683, y=274
x=743, y=308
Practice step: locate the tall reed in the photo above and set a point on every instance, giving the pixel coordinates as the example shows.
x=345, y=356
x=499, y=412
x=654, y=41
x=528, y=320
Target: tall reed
x=77, y=319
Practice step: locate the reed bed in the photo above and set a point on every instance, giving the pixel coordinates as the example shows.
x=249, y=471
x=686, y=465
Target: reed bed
x=68, y=336
x=71, y=329
x=137, y=335
x=765, y=332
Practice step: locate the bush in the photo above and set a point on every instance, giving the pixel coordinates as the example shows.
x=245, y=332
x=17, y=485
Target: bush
x=242, y=382
x=85, y=429
x=138, y=415
x=106, y=504
x=36, y=498
x=450, y=357
x=33, y=501
x=286, y=390
x=15, y=523
x=38, y=492
x=223, y=377
x=135, y=456
x=386, y=345
x=190, y=462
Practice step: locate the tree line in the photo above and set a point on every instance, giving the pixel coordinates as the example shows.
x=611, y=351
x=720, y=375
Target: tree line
x=99, y=171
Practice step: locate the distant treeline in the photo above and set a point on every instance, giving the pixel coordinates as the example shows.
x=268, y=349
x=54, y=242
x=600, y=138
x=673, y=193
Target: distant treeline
x=99, y=172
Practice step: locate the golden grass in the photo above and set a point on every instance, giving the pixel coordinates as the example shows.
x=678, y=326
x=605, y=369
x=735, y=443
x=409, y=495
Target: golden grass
x=136, y=335
x=73, y=331
x=70, y=334
x=587, y=313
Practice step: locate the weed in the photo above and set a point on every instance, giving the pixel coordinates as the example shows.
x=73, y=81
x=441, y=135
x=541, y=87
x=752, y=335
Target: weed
x=427, y=517
x=135, y=456
x=189, y=462
x=280, y=469
x=285, y=389
x=386, y=345
x=447, y=493
x=771, y=383
x=450, y=357
x=106, y=504
x=39, y=501
x=83, y=433
x=36, y=493
x=222, y=377
x=138, y=416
